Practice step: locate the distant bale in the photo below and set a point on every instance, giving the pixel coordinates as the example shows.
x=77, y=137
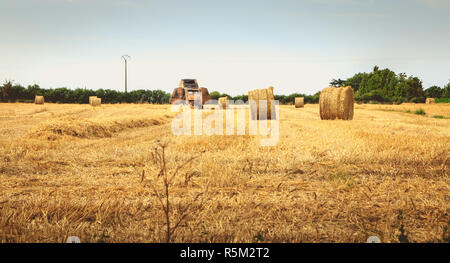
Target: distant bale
x=258, y=96
x=39, y=99
x=336, y=103
x=430, y=101
x=223, y=101
x=91, y=98
x=96, y=102
x=299, y=102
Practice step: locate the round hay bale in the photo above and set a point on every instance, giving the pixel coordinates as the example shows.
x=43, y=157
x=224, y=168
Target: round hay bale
x=262, y=96
x=96, y=102
x=223, y=101
x=253, y=106
x=336, y=103
x=299, y=102
x=270, y=98
x=205, y=95
x=430, y=101
x=257, y=96
x=91, y=98
x=39, y=99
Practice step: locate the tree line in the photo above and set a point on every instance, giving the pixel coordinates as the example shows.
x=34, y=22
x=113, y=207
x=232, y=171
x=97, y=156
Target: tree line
x=384, y=85
x=10, y=92
x=380, y=85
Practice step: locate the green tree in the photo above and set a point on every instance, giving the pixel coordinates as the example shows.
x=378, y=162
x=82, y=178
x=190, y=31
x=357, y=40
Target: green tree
x=434, y=92
x=6, y=90
x=384, y=85
x=355, y=81
x=215, y=95
x=446, y=91
x=337, y=82
x=33, y=90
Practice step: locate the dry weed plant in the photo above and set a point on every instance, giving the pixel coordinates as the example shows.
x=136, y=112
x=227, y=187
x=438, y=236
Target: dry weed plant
x=164, y=177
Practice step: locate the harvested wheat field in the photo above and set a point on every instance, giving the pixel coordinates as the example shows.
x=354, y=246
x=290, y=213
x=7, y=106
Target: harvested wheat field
x=95, y=172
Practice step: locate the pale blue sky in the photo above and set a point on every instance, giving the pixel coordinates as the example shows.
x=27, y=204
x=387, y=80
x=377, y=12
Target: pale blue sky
x=229, y=46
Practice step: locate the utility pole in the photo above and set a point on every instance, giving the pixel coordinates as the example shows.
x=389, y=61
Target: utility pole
x=125, y=58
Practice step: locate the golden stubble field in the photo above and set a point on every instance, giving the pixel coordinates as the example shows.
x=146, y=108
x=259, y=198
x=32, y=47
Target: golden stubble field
x=76, y=170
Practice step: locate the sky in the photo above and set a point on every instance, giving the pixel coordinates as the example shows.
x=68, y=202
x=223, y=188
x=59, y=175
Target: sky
x=230, y=46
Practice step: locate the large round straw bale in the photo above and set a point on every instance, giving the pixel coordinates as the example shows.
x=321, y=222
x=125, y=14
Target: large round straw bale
x=96, y=102
x=39, y=99
x=223, y=101
x=270, y=98
x=258, y=96
x=262, y=95
x=430, y=101
x=252, y=107
x=205, y=95
x=91, y=98
x=336, y=103
x=299, y=102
